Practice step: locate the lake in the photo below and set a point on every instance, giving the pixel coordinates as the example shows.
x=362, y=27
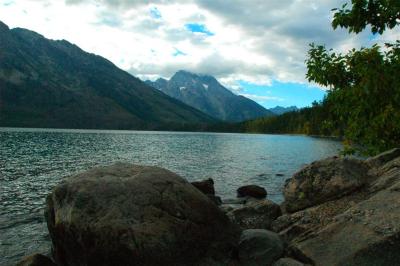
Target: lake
x=32, y=161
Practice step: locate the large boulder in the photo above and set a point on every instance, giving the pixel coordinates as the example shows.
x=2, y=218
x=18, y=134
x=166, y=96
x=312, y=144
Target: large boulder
x=292, y=225
x=135, y=215
x=259, y=247
x=324, y=180
x=36, y=260
x=363, y=228
x=252, y=191
x=255, y=215
x=366, y=234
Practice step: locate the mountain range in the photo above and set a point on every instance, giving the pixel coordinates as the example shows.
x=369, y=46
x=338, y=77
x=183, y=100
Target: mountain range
x=279, y=110
x=206, y=94
x=48, y=83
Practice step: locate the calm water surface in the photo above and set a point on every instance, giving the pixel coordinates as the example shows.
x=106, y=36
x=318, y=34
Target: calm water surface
x=32, y=161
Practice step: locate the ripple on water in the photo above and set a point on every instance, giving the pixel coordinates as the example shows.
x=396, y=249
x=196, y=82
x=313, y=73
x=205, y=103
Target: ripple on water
x=32, y=161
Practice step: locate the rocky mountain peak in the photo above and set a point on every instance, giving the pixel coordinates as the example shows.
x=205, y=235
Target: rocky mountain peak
x=161, y=80
x=183, y=76
x=3, y=27
x=278, y=110
x=205, y=93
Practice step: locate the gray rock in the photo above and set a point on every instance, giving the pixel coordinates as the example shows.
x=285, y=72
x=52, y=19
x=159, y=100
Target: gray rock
x=259, y=247
x=251, y=200
x=205, y=186
x=36, y=260
x=387, y=174
x=225, y=208
x=383, y=158
x=234, y=201
x=135, y=215
x=255, y=215
x=216, y=199
x=324, y=180
x=228, y=205
x=252, y=191
x=287, y=262
x=367, y=233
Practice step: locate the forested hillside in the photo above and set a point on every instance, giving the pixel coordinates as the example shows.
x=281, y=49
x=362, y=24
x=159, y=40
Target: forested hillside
x=47, y=83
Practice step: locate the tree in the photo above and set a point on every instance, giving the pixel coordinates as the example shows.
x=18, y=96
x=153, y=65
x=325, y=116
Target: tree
x=380, y=14
x=364, y=85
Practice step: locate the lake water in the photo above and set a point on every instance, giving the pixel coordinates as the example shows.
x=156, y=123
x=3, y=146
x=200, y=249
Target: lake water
x=32, y=161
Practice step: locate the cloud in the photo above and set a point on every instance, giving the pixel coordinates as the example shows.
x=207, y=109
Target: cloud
x=109, y=19
x=178, y=53
x=253, y=41
x=256, y=97
x=8, y=3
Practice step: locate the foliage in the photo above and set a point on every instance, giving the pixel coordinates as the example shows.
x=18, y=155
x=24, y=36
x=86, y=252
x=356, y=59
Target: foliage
x=364, y=94
x=363, y=101
x=380, y=14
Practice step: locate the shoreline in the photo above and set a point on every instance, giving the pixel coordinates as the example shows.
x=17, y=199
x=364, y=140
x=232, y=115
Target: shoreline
x=44, y=129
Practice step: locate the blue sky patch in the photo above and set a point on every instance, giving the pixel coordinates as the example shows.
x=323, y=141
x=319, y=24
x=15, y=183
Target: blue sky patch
x=282, y=93
x=196, y=27
x=373, y=36
x=155, y=13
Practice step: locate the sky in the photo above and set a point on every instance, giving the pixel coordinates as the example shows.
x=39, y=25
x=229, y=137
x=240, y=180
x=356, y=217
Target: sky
x=256, y=48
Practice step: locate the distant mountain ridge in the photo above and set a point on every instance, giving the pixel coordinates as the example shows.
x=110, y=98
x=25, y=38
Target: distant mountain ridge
x=206, y=94
x=279, y=110
x=47, y=83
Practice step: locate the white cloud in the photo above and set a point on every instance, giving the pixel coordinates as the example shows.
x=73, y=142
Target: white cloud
x=254, y=41
x=261, y=98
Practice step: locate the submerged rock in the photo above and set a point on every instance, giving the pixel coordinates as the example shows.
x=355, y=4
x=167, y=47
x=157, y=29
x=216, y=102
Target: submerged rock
x=36, y=260
x=252, y=191
x=135, y=215
x=259, y=247
x=324, y=180
x=255, y=215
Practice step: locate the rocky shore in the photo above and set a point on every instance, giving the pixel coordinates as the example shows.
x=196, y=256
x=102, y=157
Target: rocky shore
x=337, y=211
